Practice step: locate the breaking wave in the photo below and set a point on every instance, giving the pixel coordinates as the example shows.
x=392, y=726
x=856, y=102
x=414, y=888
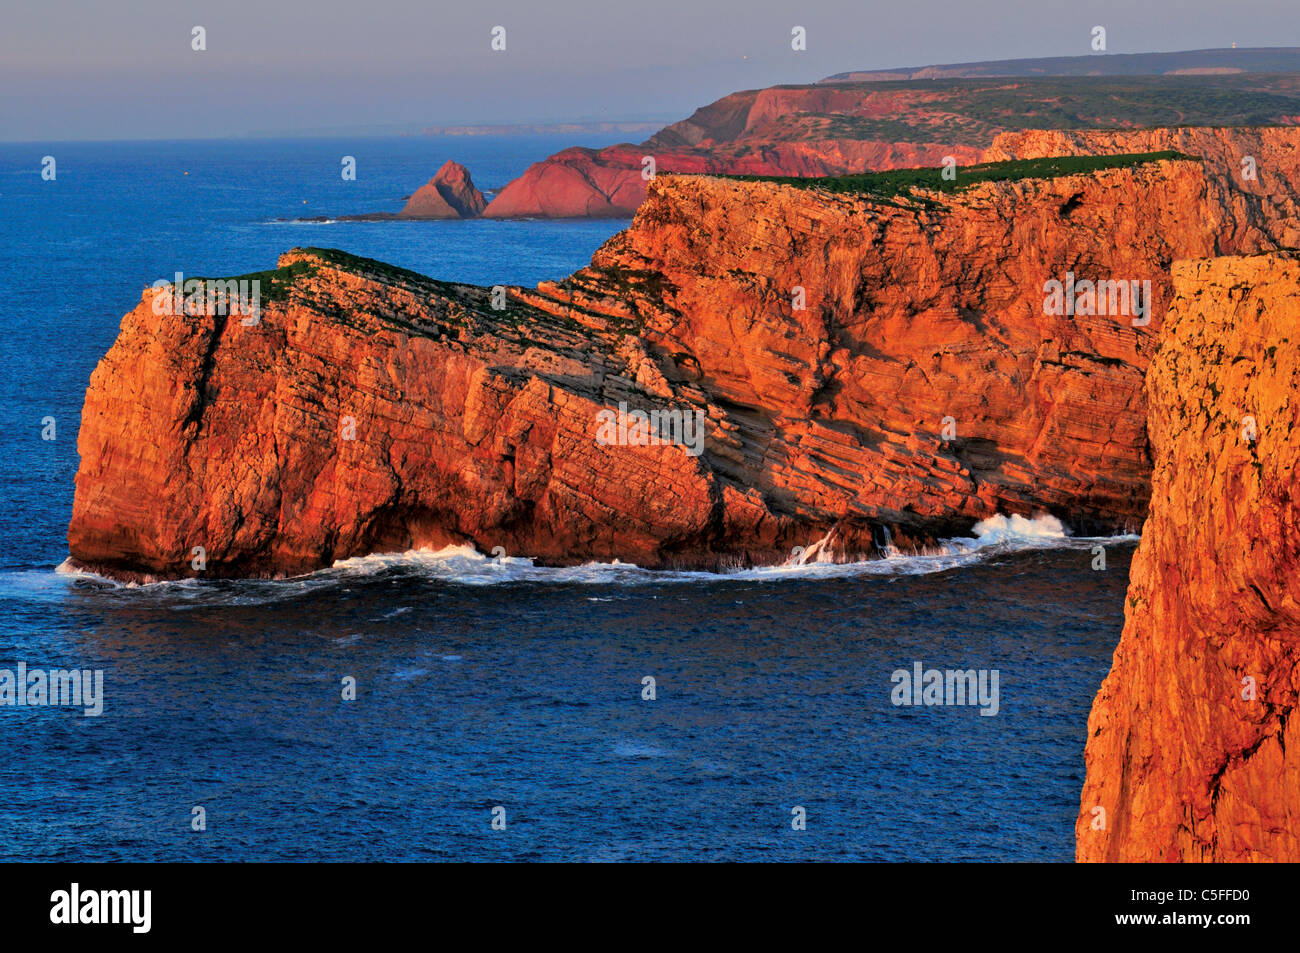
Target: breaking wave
x=464, y=565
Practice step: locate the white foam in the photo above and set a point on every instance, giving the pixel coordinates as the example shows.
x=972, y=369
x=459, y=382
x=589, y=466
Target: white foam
x=992, y=536
x=464, y=565
x=69, y=568
x=1015, y=527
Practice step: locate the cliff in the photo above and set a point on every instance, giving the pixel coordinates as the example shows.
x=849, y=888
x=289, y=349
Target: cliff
x=1192, y=752
x=1253, y=173
x=862, y=362
x=575, y=183
x=837, y=128
x=449, y=194
x=608, y=183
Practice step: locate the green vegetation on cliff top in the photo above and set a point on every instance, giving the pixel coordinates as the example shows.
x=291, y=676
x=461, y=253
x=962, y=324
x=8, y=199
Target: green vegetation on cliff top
x=897, y=182
x=272, y=285
x=275, y=284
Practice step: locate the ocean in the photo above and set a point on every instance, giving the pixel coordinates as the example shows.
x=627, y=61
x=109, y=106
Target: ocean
x=502, y=711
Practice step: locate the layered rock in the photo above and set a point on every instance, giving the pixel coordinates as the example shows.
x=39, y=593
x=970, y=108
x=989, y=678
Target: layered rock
x=1253, y=172
x=449, y=194
x=575, y=183
x=831, y=343
x=1193, y=753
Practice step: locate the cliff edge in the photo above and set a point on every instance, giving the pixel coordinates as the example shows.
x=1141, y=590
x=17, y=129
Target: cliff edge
x=1192, y=752
x=861, y=366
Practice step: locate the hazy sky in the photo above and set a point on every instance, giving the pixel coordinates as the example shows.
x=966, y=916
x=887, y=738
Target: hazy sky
x=95, y=69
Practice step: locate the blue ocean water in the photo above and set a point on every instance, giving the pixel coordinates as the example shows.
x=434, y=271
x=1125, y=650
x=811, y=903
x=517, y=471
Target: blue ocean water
x=480, y=683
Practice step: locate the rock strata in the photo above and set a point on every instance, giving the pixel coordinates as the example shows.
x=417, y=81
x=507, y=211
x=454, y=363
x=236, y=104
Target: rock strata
x=866, y=370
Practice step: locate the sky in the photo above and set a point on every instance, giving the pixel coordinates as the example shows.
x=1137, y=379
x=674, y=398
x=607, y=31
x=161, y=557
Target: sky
x=125, y=69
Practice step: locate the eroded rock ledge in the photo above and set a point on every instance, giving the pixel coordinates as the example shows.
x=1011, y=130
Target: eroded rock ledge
x=1193, y=753
x=373, y=409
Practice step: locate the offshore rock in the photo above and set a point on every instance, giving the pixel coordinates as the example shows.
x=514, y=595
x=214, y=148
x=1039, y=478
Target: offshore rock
x=449, y=194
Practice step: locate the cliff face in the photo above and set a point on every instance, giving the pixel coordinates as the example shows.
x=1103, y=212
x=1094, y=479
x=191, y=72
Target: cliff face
x=369, y=409
x=449, y=194
x=1192, y=751
x=912, y=315
x=609, y=183
x=837, y=128
x=575, y=183
x=1253, y=173
x=830, y=344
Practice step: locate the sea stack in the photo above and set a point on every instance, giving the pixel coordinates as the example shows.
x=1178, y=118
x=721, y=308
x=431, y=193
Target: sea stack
x=449, y=194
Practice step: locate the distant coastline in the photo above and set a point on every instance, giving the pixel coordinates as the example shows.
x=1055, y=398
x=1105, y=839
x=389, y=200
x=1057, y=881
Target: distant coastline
x=541, y=129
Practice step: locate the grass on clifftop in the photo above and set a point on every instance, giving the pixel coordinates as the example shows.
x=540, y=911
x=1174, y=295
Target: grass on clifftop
x=273, y=285
x=276, y=282
x=897, y=182
x=371, y=266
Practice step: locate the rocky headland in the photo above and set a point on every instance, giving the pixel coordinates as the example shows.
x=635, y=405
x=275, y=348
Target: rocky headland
x=858, y=122
x=877, y=363
x=839, y=127
x=450, y=194
x=873, y=360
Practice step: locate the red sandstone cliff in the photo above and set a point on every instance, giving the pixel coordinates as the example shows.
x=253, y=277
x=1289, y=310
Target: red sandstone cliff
x=783, y=130
x=373, y=409
x=609, y=183
x=1192, y=749
x=831, y=129
x=1253, y=172
x=575, y=183
x=449, y=194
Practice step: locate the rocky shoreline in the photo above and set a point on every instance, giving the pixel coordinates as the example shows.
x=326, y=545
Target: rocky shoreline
x=862, y=365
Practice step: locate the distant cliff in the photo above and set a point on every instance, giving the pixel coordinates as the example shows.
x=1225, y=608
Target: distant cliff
x=612, y=182
x=837, y=128
x=861, y=362
x=1193, y=752
x=1181, y=62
